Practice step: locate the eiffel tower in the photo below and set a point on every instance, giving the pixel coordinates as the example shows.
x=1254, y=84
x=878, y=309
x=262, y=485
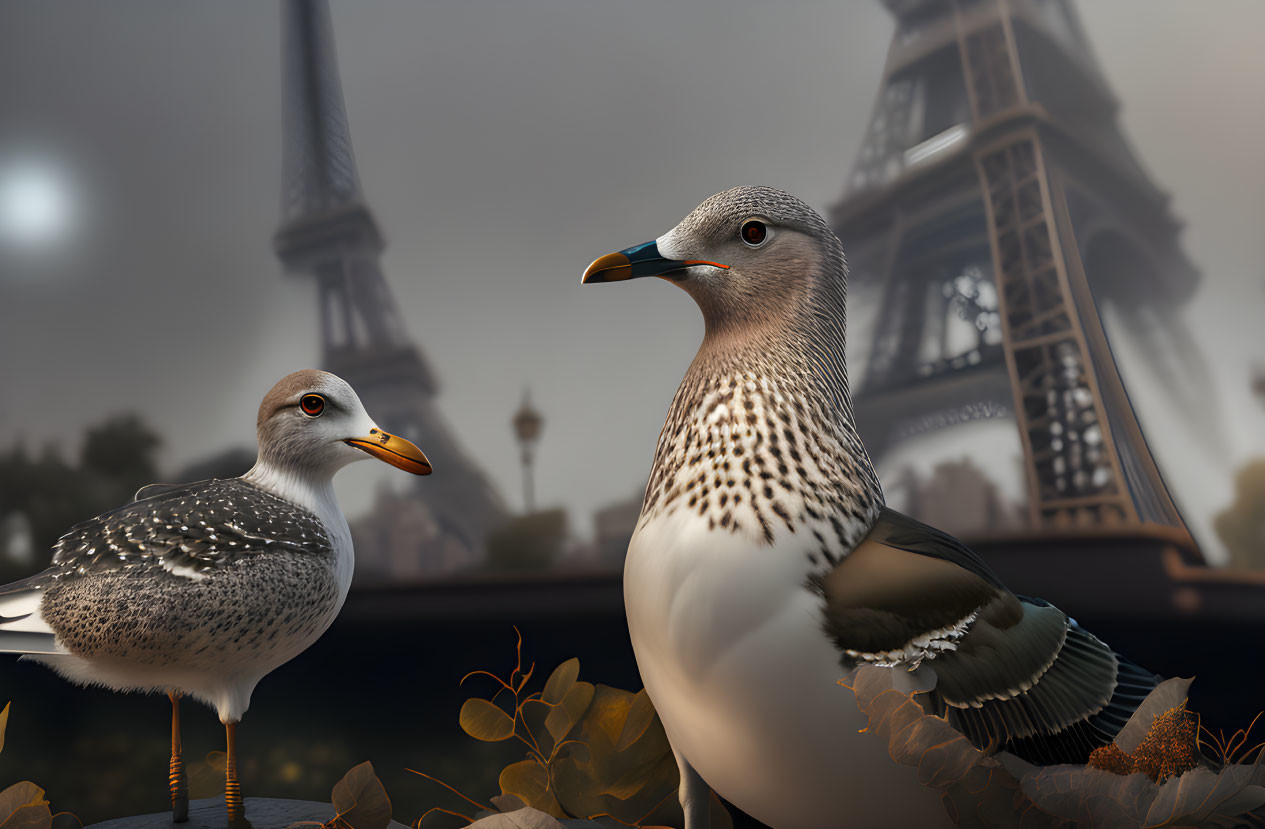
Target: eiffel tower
x=996, y=207
x=328, y=233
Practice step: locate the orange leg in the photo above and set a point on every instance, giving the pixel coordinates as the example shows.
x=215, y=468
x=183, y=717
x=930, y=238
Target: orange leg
x=233, y=801
x=179, y=785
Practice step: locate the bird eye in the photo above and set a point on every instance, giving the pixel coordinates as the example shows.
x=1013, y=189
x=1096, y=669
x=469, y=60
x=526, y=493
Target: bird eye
x=754, y=233
x=312, y=404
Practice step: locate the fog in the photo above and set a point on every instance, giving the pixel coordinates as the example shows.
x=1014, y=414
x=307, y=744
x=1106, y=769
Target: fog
x=502, y=147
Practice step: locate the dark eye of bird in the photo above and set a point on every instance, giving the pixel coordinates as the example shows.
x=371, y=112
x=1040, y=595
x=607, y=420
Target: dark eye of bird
x=312, y=404
x=754, y=232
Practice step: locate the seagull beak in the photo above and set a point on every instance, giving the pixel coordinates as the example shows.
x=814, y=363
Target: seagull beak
x=394, y=450
x=643, y=260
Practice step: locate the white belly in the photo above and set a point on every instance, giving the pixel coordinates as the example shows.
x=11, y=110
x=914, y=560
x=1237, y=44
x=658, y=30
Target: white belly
x=730, y=648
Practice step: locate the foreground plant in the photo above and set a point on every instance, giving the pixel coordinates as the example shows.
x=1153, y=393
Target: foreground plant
x=360, y=802
x=1154, y=774
x=590, y=750
x=23, y=805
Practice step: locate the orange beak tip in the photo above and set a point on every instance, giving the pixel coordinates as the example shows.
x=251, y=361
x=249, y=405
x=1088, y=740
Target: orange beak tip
x=396, y=451
x=613, y=267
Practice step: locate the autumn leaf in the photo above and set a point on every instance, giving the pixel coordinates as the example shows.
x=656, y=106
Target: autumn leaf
x=485, y=721
x=360, y=799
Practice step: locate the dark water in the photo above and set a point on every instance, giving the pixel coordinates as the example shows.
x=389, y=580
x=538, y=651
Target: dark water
x=382, y=685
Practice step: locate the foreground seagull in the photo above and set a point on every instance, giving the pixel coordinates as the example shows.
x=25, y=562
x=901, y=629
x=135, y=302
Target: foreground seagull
x=202, y=589
x=765, y=565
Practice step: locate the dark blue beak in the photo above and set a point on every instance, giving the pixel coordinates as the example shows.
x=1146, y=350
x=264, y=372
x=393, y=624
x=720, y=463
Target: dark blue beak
x=642, y=260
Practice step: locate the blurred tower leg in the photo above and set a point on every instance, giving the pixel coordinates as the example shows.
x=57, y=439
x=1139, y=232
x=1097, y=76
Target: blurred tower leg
x=998, y=207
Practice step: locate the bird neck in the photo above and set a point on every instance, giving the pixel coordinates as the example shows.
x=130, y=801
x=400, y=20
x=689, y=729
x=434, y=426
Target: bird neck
x=308, y=488
x=313, y=490
x=761, y=437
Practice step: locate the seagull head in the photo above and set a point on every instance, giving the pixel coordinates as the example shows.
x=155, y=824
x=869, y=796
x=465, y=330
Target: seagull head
x=749, y=255
x=312, y=423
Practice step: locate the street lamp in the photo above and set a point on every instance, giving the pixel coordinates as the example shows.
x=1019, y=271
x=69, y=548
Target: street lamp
x=527, y=424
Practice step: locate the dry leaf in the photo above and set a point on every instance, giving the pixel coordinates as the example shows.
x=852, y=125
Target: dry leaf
x=529, y=782
x=640, y=714
x=360, y=799
x=560, y=719
x=485, y=721
x=560, y=681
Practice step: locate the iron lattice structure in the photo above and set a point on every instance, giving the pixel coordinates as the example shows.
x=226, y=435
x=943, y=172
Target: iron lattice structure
x=997, y=208
x=327, y=232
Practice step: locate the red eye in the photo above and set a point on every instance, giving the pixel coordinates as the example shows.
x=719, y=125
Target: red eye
x=312, y=404
x=754, y=232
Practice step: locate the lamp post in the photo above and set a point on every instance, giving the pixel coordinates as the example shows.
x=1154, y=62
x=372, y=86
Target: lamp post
x=527, y=424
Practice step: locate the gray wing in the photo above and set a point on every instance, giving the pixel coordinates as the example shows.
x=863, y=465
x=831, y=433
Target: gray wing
x=190, y=529
x=174, y=532
x=1010, y=672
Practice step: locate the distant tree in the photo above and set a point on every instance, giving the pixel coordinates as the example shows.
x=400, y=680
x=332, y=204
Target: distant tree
x=1241, y=526
x=528, y=542
x=117, y=459
x=48, y=491
x=122, y=452
x=231, y=463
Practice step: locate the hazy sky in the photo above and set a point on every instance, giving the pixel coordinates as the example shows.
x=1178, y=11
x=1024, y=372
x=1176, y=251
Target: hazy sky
x=504, y=145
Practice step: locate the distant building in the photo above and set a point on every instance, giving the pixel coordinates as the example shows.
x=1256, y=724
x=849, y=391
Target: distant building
x=401, y=539
x=957, y=497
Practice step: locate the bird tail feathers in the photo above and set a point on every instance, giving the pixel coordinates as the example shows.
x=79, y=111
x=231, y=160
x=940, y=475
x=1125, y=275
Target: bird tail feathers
x=22, y=628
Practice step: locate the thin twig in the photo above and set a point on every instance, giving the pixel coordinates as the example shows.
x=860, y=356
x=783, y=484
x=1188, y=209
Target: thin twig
x=518, y=649
x=647, y=815
x=417, y=824
x=469, y=800
x=542, y=701
x=554, y=753
x=518, y=715
x=504, y=684
x=612, y=817
x=526, y=676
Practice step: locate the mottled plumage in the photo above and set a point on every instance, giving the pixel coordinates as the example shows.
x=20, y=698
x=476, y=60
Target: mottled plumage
x=191, y=529
x=192, y=578
x=765, y=565
x=749, y=452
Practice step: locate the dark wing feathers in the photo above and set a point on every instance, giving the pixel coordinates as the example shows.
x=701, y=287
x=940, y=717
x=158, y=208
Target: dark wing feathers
x=904, y=533
x=196, y=527
x=999, y=661
x=1010, y=673
x=878, y=597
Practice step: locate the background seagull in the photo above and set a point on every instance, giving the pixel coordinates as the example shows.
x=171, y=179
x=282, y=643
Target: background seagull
x=765, y=565
x=204, y=588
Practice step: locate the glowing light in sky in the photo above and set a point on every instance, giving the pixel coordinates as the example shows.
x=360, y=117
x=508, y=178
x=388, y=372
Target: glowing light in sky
x=35, y=204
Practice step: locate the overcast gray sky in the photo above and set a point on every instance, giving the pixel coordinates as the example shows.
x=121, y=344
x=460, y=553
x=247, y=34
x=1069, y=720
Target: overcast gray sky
x=504, y=145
